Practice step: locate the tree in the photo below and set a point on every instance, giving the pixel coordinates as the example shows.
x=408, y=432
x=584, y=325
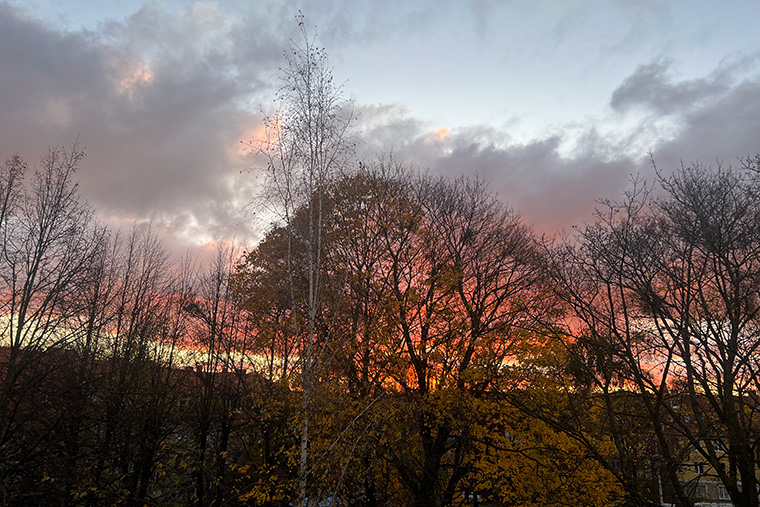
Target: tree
x=464, y=296
x=351, y=341
x=437, y=290
x=307, y=144
x=136, y=325
x=217, y=387
x=520, y=460
x=707, y=299
x=48, y=242
x=607, y=348
x=663, y=297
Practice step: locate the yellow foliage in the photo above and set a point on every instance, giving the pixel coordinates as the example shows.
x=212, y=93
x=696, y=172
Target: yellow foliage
x=519, y=460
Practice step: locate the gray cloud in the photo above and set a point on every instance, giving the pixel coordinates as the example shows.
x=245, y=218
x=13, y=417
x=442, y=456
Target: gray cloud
x=718, y=132
x=652, y=87
x=715, y=118
x=160, y=101
x=552, y=191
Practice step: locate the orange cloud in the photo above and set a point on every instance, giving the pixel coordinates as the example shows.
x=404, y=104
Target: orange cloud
x=441, y=132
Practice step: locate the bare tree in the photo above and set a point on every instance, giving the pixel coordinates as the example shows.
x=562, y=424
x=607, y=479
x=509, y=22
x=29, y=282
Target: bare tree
x=663, y=300
x=49, y=241
x=462, y=293
x=619, y=365
x=706, y=301
x=308, y=143
x=218, y=387
x=138, y=303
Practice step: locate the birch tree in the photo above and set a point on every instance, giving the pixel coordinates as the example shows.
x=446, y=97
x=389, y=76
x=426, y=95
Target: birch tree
x=307, y=143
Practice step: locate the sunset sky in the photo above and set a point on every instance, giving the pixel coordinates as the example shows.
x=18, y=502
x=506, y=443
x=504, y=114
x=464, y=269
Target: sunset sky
x=555, y=103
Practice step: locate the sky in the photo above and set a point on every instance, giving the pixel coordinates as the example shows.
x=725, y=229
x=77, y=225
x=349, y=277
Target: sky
x=555, y=103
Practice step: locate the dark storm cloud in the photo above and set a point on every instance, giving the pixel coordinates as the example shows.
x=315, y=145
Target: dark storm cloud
x=161, y=103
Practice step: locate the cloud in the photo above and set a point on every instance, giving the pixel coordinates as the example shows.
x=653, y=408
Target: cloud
x=386, y=127
x=557, y=179
x=553, y=191
x=721, y=131
x=715, y=118
x=162, y=98
x=161, y=102
x=652, y=87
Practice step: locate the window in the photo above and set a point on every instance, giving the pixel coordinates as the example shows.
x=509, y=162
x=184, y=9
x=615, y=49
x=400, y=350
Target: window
x=723, y=493
x=699, y=468
x=701, y=491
